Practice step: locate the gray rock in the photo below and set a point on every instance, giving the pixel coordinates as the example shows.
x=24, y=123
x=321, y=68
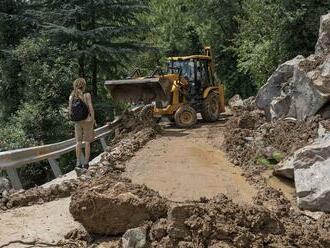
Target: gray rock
x=323, y=43
x=236, y=101
x=285, y=169
x=96, y=160
x=299, y=88
x=4, y=185
x=275, y=84
x=135, y=238
x=306, y=100
x=312, y=175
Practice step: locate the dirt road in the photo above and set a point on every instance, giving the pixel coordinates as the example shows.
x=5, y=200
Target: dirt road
x=183, y=165
x=42, y=223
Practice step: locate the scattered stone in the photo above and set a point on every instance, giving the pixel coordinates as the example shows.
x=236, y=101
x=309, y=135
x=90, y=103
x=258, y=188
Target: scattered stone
x=285, y=169
x=4, y=185
x=235, y=102
x=135, y=238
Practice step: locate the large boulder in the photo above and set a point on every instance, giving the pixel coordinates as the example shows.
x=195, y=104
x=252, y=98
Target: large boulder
x=112, y=205
x=323, y=43
x=275, y=84
x=312, y=175
x=299, y=88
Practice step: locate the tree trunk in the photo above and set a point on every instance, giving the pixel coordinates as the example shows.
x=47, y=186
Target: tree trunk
x=81, y=59
x=94, y=59
x=94, y=77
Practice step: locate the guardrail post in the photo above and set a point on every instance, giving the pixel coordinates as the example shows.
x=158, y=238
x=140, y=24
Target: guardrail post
x=104, y=144
x=55, y=167
x=14, y=178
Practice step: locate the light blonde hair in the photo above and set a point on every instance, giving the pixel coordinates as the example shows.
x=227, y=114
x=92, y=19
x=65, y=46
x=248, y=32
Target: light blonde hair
x=79, y=86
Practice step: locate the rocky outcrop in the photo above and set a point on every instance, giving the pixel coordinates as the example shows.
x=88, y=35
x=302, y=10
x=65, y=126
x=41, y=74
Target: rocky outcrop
x=299, y=88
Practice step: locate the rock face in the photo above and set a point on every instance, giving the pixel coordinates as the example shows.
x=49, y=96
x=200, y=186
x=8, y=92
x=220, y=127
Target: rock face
x=111, y=205
x=299, y=88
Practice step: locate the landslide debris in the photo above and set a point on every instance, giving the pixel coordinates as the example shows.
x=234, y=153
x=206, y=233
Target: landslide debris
x=248, y=136
x=38, y=195
x=221, y=223
x=111, y=205
x=299, y=88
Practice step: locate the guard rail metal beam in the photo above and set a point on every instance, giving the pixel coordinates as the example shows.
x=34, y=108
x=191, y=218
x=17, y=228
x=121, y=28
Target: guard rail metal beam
x=11, y=160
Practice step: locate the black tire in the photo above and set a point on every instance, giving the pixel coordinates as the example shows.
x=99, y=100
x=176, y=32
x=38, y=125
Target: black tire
x=185, y=117
x=147, y=113
x=211, y=107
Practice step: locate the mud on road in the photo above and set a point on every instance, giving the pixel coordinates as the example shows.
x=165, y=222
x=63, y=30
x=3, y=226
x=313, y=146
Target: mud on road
x=183, y=165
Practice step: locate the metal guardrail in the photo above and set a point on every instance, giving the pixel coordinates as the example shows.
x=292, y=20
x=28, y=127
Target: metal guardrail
x=11, y=160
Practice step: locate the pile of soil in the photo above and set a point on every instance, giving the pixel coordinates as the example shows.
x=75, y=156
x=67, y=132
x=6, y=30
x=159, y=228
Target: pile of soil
x=239, y=135
x=111, y=205
x=38, y=195
x=248, y=132
x=221, y=223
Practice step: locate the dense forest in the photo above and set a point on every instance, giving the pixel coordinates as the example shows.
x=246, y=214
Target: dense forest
x=46, y=44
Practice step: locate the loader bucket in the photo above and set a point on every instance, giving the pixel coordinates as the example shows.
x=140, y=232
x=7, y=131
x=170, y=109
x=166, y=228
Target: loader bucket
x=144, y=90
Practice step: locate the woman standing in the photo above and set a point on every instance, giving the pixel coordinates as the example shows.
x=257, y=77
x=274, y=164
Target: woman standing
x=82, y=113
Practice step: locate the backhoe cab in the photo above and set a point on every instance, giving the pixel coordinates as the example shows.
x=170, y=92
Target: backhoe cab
x=186, y=87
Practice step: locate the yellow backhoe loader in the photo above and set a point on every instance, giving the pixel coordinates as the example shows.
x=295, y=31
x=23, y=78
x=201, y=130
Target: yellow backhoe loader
x=186, y=87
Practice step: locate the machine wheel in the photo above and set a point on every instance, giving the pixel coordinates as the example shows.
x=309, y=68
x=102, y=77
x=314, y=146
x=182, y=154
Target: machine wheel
x=211, y=107
x=185, y=117
x=147, y=113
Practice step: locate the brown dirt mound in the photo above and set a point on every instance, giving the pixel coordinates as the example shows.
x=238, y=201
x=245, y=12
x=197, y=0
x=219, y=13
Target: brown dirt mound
x=221, y=223
x=247, y=132
x=111, y=205
x=38, y=195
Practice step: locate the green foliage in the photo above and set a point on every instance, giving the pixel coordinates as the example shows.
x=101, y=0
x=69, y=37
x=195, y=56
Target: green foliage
x=271, y=32
x=173, y=29
x=101, y=33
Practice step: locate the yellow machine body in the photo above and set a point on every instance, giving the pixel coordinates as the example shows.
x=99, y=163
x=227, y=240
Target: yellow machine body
x=188, y=81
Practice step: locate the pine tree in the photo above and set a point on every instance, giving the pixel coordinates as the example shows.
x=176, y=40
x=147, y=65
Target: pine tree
x=100, y=33
x=14, y=25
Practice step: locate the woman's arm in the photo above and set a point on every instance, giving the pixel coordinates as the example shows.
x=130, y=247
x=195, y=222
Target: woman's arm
x=90, y=106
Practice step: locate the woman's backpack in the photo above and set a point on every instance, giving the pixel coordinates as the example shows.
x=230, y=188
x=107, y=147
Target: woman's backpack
x=79, y=110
